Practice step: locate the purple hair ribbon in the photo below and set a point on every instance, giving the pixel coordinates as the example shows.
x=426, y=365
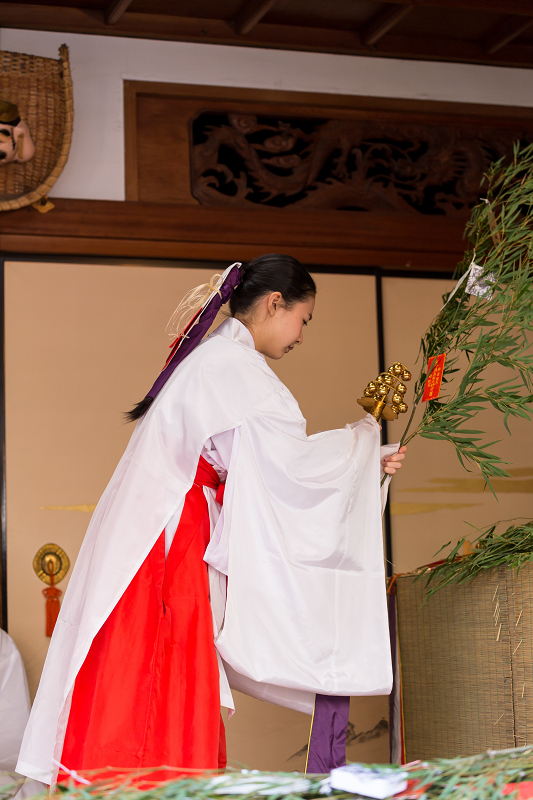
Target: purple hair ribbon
x=230, y=280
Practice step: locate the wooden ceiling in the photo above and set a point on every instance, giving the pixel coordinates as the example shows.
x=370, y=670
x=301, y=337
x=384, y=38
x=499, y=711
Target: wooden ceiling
x=467, y=31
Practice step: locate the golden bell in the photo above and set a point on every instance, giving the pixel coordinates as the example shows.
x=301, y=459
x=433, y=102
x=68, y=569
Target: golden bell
x=376, y=394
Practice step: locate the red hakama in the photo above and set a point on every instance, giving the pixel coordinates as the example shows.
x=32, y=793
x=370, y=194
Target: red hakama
x=148, y=691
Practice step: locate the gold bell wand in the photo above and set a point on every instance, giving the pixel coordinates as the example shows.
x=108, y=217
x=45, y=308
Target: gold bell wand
x=376, y=397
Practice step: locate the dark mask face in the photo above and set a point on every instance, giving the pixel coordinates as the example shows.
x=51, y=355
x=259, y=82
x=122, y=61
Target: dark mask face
x=15, y=143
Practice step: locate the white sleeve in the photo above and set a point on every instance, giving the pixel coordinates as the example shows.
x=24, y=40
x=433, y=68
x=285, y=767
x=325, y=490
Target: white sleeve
x=384, y=451
x=302, y=540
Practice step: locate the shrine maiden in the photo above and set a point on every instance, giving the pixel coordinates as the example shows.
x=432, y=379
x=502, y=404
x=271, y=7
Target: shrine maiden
x=229, y=548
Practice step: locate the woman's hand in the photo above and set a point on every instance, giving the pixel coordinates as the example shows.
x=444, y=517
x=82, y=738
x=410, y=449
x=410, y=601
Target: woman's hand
x=392, y=463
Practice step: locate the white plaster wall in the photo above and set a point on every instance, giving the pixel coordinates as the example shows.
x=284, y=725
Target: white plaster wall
x=95, y=169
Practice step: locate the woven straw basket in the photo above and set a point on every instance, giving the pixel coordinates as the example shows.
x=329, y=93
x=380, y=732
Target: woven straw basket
x=467, y=664
x=42, y=90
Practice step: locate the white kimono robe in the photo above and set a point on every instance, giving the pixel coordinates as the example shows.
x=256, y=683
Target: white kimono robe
x=299, y=540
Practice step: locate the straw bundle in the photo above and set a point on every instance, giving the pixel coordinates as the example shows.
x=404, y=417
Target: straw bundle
x=466, y=657
x=42, y=90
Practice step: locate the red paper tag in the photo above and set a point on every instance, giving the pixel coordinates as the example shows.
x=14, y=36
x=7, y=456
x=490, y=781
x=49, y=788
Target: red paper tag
x=434, y=379
x=411, y=793
x=525, y=789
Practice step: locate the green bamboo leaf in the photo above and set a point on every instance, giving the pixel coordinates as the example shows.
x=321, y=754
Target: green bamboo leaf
x=487, y=331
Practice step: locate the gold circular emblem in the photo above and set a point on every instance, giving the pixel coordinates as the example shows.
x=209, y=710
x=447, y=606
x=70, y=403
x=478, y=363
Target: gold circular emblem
x=51, y=558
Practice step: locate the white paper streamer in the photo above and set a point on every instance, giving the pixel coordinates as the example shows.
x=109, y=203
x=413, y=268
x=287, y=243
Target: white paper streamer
x=479, y=286
x=474, y=285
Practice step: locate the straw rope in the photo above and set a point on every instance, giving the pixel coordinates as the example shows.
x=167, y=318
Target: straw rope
x=42, y=90
x=193, y=301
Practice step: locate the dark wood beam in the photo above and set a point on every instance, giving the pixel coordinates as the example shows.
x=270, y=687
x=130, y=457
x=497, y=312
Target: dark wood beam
x=115, y=10
x=382, y=22
x=338, y=106
x=250, y=14
x=520, y=7
x=505, y=32
x=291, y=37
x=164, y=230
x=453, y=50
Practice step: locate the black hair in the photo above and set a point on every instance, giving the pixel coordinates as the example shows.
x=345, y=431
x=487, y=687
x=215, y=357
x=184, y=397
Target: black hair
x=259, y=277
x=271, y=273
x=139, y=409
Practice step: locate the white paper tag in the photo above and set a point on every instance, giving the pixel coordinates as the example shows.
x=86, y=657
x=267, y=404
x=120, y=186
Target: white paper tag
x=477, y=286
x=362, y=779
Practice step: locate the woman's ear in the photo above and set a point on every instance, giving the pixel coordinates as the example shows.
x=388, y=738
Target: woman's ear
x=273, y=302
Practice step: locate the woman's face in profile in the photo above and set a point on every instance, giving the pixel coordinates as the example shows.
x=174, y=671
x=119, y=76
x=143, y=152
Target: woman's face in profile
x=283, y=328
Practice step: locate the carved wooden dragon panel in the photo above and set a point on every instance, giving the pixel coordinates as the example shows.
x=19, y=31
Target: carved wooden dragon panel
x=241, y=159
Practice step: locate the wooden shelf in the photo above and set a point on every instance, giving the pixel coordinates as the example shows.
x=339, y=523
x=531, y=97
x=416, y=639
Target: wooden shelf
x=152, y=230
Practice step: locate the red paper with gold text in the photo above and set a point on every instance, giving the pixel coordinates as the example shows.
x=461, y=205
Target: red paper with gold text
x=434, y=379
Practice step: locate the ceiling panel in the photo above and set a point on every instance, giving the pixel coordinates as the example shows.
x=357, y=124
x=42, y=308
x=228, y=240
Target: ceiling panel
x=341, y=14
x=465, y=31
x=203, y=9
x=526, y=37
x=442, y=22
x=98, y=5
